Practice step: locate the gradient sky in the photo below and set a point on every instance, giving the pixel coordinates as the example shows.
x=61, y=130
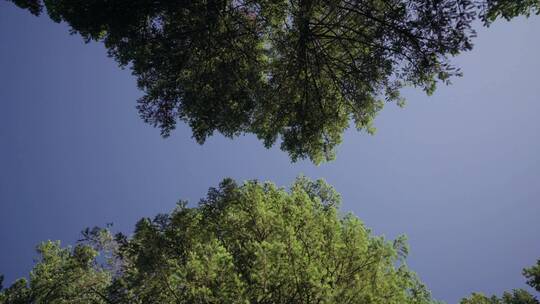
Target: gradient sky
x=458, y=172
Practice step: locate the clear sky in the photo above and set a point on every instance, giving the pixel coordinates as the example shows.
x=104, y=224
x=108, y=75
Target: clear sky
x=458, y=172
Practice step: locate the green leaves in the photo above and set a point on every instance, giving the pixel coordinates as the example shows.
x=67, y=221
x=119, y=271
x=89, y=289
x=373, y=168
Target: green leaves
x=299, y=72
x=533, y=276
x=17, y=293
x=478, y=298
x=508, y=9
x=61, y=275
x=250, y=243
x=517, y=296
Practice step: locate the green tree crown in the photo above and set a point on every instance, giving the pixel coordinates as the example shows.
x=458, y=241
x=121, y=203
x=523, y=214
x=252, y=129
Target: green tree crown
x=250, y=243
x=517, y=296
x=295, y=70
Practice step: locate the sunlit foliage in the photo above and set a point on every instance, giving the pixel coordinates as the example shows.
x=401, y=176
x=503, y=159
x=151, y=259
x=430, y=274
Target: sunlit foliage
x=516, y=296
x=253, y=243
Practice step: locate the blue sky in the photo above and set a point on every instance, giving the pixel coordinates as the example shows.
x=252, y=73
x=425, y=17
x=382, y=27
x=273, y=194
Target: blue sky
x=458, y=172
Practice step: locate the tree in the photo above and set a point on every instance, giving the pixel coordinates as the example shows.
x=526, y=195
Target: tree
x=517, y=296
x=295, y=70
x=533, y=276
x=509, y=9
x=253, y=243
x=61, y=275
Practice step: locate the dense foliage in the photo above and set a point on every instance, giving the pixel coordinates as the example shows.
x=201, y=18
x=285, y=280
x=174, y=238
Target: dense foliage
x=253, y=243
x=295, y=70
x=517, y=296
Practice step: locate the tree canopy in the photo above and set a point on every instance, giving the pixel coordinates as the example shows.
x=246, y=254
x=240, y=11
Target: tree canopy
x=298, y=71
x=516, y=296
x=250, y=243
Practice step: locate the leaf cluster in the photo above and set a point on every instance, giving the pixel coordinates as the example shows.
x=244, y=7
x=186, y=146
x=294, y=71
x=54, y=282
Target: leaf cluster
x=516, y=296
x=253, y=243
x=298, y=71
